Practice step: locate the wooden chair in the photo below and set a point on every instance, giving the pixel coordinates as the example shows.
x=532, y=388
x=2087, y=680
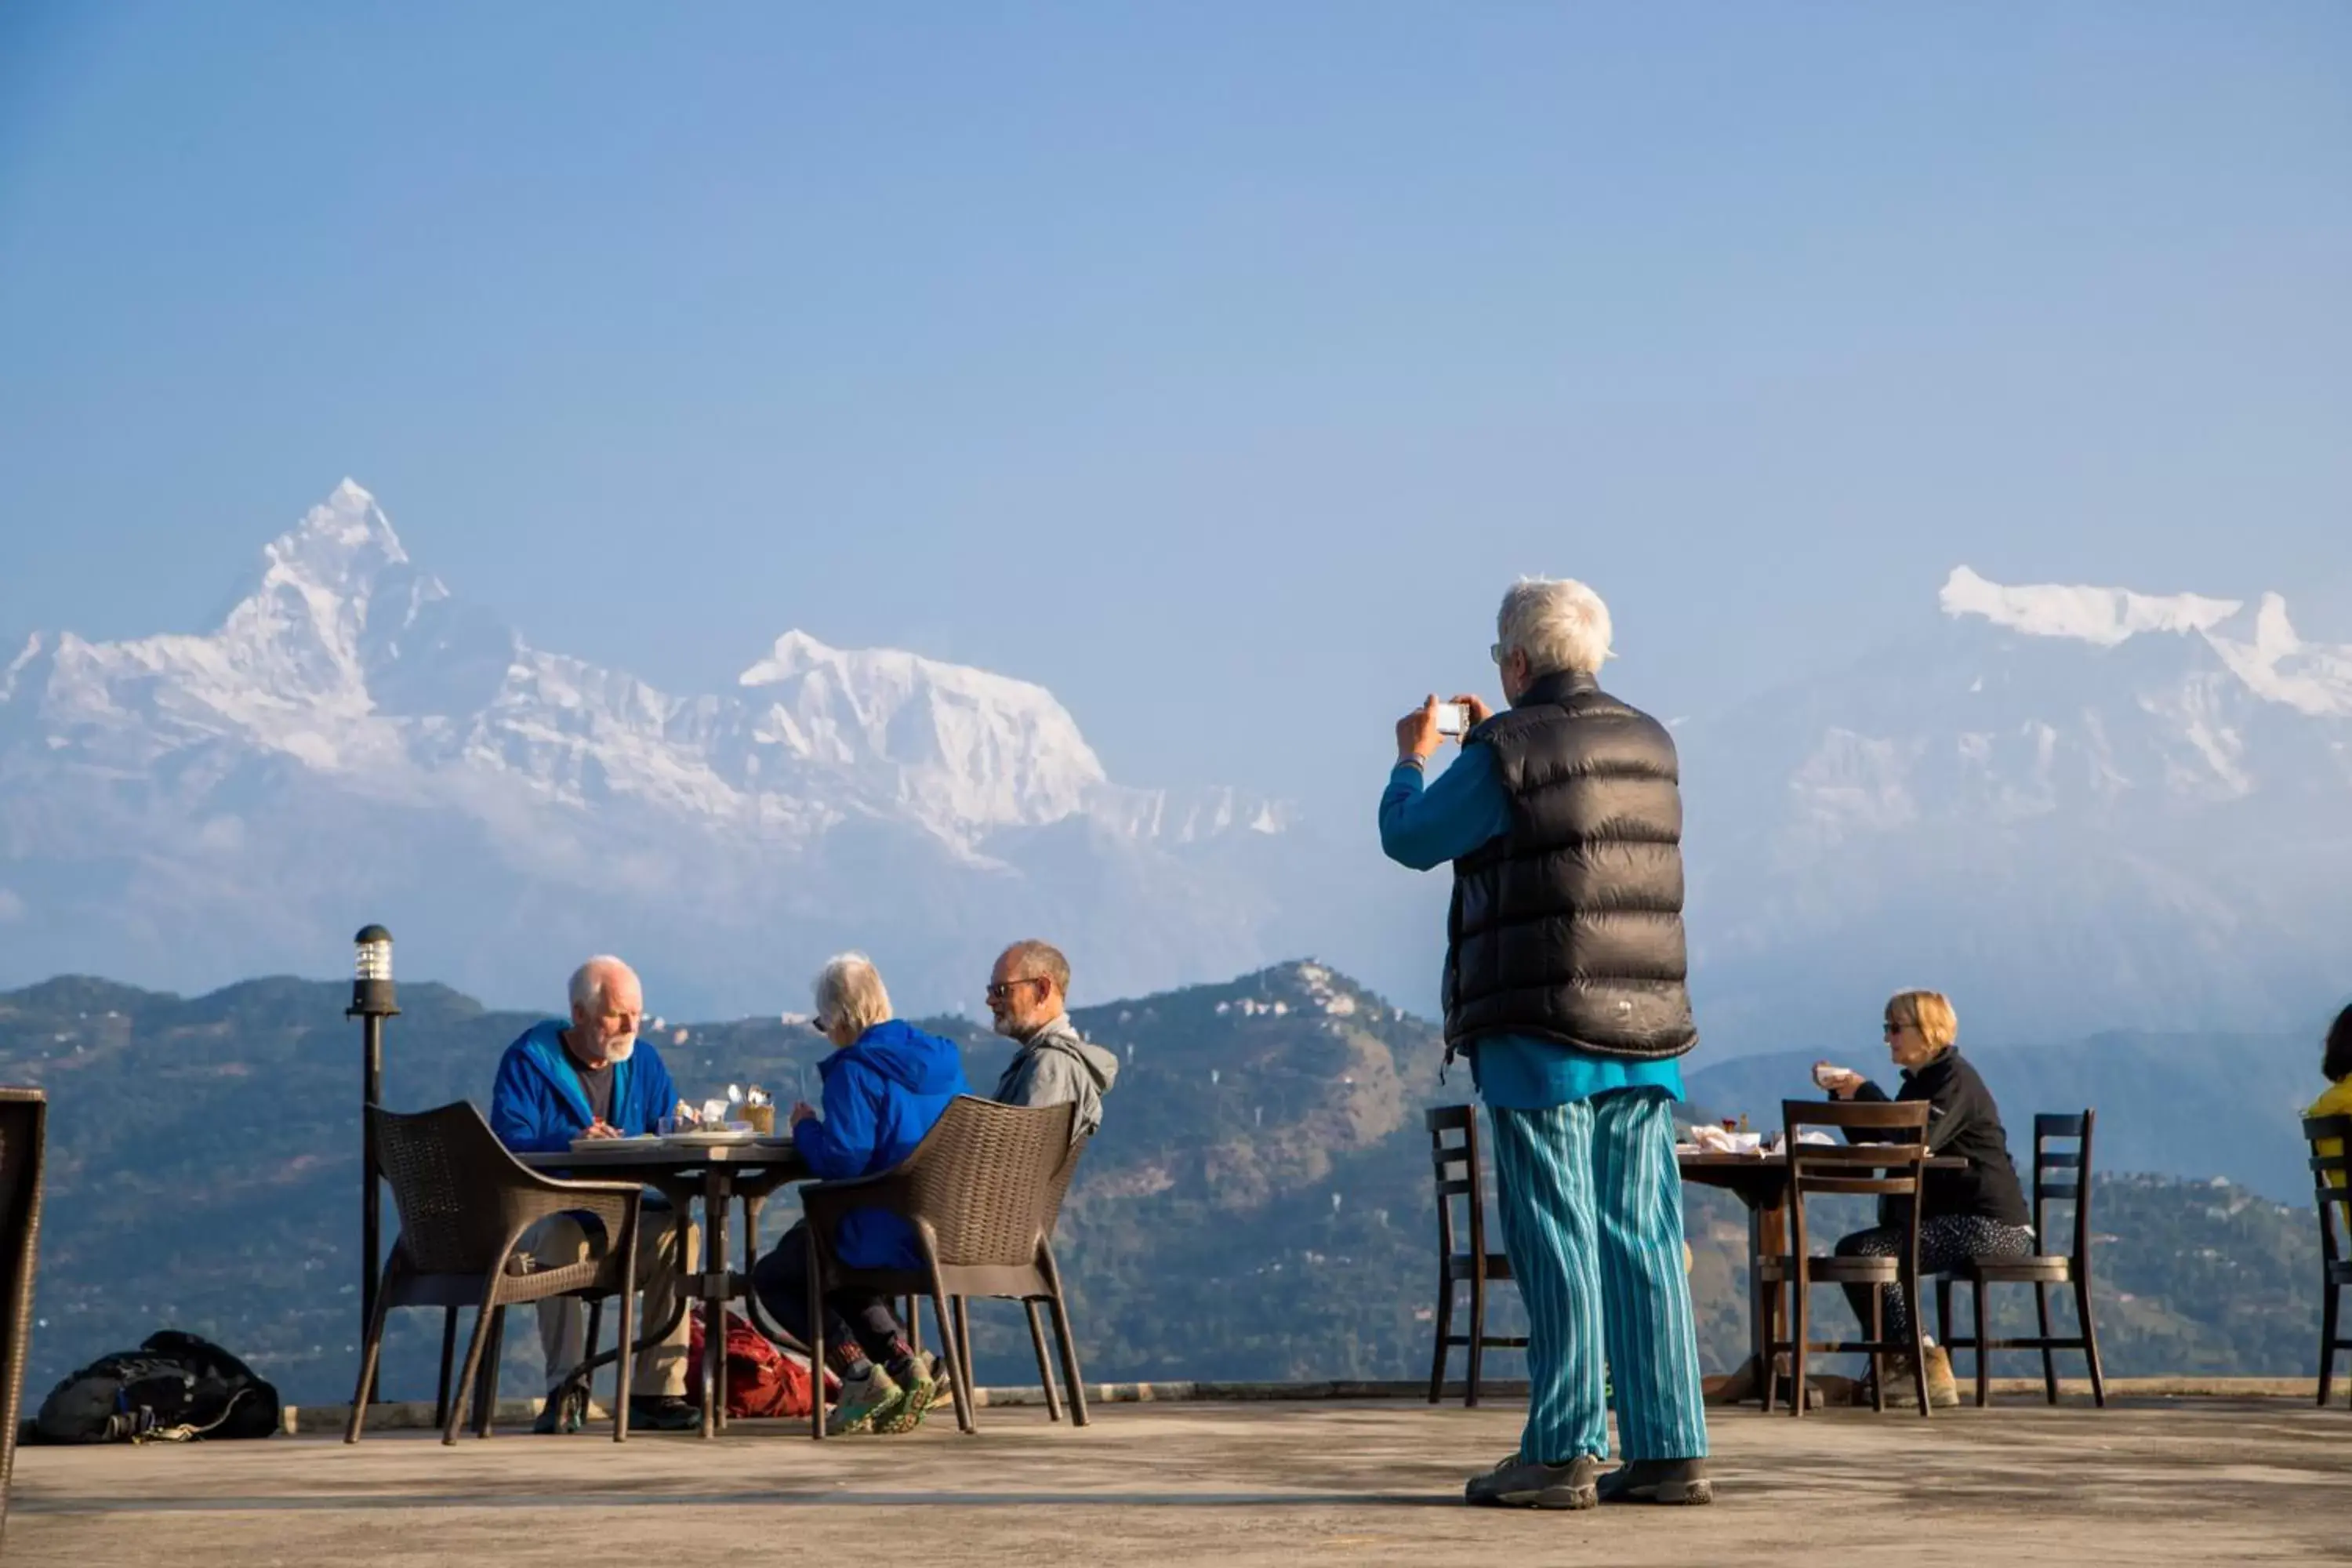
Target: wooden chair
x=23, y=1118
x=465, y=1204
x=1460, y=1178
x=2331, y=1181
x=1890, y=1162
x=982, y=1192
x=2070, y=1183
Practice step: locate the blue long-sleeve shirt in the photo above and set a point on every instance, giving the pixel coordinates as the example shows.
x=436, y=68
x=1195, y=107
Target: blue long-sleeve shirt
x=1424, y=823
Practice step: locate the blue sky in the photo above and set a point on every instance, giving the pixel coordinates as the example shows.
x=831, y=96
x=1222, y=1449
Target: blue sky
x=1214, y=365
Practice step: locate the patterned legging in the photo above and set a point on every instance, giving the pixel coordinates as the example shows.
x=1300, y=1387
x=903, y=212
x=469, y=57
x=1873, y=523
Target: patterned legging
x=1946, y=1242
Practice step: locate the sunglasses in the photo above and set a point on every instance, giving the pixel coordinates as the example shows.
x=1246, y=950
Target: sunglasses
x=1001, y=990
x=1891, y=1029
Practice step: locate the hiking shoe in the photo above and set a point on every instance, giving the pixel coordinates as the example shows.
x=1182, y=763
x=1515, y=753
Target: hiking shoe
x=943, y=1382
x=562, y=1411
x=862, y=1398
x=1943, y=1388
x=1523, y=1483
x=906, y=1413
x=663, y=1412
x=1673, y=1481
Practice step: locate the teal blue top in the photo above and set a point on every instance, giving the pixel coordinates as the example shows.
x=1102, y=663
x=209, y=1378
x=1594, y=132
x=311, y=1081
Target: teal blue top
x=1424, y=825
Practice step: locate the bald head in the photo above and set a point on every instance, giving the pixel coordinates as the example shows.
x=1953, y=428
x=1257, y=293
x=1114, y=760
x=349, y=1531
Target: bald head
x=606, y=1003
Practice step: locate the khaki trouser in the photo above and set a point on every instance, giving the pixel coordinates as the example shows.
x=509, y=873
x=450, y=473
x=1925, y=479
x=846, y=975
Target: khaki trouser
x=559, y=1241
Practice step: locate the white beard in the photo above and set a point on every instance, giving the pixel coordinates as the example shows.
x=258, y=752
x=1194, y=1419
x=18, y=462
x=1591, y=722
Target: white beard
x=619, y=1051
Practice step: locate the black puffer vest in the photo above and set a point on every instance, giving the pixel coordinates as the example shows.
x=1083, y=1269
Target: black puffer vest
x=1569, y=926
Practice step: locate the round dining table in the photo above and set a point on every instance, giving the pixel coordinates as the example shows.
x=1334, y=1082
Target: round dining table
x=686, y=1173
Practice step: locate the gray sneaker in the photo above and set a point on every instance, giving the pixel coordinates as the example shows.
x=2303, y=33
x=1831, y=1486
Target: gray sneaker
x=1680, y=1481
x=1522, y=1483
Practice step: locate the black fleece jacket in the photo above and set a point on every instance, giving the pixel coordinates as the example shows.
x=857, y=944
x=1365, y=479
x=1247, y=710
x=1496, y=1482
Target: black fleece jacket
x=1962, y=1121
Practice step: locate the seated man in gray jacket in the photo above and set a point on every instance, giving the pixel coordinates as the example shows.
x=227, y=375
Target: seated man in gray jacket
x=1028, y=997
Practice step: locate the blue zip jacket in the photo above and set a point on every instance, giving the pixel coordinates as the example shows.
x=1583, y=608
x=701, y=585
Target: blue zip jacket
x=537, y=1105
x=882, y=1092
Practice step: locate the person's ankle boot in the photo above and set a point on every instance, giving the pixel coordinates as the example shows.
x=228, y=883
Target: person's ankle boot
x=1943, y=1388
x=1675, y=1482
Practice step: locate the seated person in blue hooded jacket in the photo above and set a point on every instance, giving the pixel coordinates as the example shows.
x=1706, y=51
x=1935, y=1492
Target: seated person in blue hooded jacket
x=593, y=1077
x=885, y=1085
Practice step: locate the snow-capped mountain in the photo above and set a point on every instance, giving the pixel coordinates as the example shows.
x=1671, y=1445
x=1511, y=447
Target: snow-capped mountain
x=2086, y=807
x=2074, y=808
x=353, y=740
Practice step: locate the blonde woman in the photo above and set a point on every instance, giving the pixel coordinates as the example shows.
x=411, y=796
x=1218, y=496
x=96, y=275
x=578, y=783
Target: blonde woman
x=1966, y=1214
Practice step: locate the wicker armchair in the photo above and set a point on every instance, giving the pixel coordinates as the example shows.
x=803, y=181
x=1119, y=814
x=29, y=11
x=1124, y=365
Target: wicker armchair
x=464, y=1205
x=24, y=1115
x=982, y=1190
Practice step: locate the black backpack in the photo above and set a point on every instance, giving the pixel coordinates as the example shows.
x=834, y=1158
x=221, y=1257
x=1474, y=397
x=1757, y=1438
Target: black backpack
x=175, y=1386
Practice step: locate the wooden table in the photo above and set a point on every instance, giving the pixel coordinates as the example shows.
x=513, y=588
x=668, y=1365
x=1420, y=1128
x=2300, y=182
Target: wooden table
x=1760, y=1182
x=714, y=1176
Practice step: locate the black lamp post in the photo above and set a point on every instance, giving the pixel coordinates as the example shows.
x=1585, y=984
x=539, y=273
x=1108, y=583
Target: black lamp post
x=372, y=1004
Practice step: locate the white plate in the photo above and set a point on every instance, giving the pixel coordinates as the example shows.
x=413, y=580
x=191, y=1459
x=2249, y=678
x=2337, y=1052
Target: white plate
x=712, y=1140
x=632, y=1141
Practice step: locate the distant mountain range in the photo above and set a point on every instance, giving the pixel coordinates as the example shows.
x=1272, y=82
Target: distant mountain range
x=354, y=741
x=1257, y=1205
x=2076, y=809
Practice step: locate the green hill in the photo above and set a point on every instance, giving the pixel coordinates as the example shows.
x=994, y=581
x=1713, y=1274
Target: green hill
x=1256, y=1206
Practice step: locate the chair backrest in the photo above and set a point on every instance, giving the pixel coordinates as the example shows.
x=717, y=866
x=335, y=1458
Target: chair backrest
x=455, y=1186
x=1887, y=1162
x=1453, y=1156
x=23, y=1121
x=990, y=1179
x=2331, y=1177
x=2062, y=1175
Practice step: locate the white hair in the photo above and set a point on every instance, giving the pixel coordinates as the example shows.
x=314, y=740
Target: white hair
x=1558, y=622
x=849, y=990
x=590, y=981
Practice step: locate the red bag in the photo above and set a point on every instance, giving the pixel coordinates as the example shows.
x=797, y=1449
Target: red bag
x=760, y=1379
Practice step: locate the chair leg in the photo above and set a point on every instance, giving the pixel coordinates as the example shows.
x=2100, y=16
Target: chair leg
x=816, y=1337
x=964, y=1334
x=1919, y=1344
x=1071, y=1379
x=2330, y=1295
x=1477, y=1365
x=1768, y=1346
x=1877, y=1355
x=448, y=1353
x=2049, y=1360
x=956, y=1370
x=372, y=1351
x=910, y=1315
x=1801, y=1331
x=1980, y=1299
x=1044, y=1363
x=1445, y=1327
x=2090, y=1343
x=1944, y=1310
x=466, y=1378
x=486, y=1397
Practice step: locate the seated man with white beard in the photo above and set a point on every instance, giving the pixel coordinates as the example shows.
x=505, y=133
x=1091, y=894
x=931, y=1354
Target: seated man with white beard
x=593, y=1077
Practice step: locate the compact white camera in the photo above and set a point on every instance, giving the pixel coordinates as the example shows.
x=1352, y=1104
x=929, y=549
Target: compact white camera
x=1452, y=719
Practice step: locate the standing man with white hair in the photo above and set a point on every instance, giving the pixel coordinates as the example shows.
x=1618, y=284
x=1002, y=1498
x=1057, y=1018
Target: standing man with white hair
x=593, y=1077
x=1565, y=985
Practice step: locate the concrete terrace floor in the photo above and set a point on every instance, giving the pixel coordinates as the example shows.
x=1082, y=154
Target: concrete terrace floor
x=2191, y=1480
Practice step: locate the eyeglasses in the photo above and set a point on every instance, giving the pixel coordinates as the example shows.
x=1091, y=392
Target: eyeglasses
x=821, y=1024
x=1001, y=990
x=1496, y=652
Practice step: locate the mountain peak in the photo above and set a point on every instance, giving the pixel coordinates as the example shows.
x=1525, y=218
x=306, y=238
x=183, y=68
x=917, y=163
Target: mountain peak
x=341, y=544
x=2105, y=616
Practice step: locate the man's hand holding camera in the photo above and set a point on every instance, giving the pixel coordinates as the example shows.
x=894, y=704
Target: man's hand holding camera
x=1430, y=725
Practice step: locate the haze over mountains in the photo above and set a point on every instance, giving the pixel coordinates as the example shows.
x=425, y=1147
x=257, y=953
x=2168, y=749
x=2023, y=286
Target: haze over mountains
x=2075, y=808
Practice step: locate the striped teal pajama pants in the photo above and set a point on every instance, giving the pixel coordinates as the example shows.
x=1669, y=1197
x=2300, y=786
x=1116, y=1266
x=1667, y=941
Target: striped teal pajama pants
x=1592, y=1219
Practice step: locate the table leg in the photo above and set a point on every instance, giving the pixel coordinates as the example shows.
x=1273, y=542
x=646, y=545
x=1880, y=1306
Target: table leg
x=717, y=1201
